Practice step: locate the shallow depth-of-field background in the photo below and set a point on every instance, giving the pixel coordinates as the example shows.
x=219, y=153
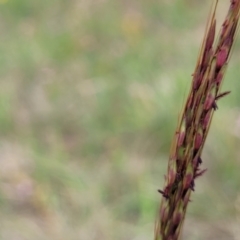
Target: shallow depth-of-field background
x=90, y=92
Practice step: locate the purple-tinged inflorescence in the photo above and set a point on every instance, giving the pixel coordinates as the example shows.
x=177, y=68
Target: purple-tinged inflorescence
x=185, y=157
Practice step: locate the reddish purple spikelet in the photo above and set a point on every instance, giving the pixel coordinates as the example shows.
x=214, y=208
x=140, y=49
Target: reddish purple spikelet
x=197, y=78
x=211, y=35
x=209, y=101
x=198, y=139
x=182, y=133
x=220, y=74
x=172, y=171
x=206, y=119
x=222, y=57
x=177, y=218
x=187, y=180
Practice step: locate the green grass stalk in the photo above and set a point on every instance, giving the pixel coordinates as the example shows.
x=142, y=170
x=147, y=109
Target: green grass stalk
x=188, y=142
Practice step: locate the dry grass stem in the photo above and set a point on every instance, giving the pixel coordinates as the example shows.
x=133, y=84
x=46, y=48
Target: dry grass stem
x=185, y=155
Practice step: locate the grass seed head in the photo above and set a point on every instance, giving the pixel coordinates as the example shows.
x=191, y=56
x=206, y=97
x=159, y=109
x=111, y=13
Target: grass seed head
x=188, y=142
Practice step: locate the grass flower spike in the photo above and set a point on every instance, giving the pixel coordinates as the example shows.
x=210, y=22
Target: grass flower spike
x=187, y=145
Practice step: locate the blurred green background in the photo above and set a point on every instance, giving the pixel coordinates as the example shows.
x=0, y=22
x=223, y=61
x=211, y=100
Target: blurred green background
x=90, y=93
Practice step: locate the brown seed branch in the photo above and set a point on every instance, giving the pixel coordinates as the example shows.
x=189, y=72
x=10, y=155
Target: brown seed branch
x=188, y=142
